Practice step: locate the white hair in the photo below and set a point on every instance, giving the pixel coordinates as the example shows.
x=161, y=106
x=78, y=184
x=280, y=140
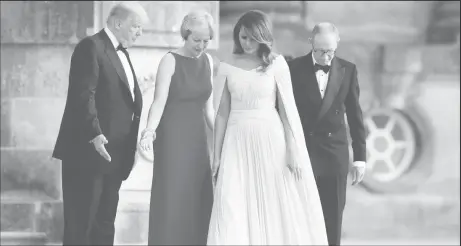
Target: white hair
x=325, y=27
x=196, y=18
x=124, y=9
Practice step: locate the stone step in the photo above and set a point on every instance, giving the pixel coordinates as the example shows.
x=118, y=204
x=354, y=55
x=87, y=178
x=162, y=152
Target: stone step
x=22, y=216
x=371, y=216
x=28, y=215
x=23, y=238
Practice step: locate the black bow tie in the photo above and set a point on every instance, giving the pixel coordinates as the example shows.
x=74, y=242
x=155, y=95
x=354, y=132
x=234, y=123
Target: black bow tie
x=120, y=47
x=318, y=67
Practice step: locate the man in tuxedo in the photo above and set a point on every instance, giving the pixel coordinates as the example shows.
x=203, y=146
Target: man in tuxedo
x=325, y=88
x=98, y=135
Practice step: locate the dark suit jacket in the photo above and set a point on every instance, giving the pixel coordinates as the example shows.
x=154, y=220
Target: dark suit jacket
x=99, y=102
x=323, y=119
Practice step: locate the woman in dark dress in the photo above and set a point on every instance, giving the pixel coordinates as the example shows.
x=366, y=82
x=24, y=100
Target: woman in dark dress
x=182, y=193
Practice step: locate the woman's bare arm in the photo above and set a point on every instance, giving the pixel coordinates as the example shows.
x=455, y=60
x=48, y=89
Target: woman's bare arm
x=162, y=87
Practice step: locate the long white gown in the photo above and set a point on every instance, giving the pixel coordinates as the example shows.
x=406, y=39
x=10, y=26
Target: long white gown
x=257, y=201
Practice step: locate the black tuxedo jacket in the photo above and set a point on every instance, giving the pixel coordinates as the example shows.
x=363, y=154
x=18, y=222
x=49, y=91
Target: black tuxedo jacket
x=323, y=119
x=99, y=101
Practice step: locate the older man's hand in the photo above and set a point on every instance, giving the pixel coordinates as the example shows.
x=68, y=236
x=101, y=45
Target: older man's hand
x=357, y=171
x=99, y=142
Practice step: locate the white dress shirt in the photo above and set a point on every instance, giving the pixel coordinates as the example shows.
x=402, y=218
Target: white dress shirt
x=322, y=80
x=123, y=60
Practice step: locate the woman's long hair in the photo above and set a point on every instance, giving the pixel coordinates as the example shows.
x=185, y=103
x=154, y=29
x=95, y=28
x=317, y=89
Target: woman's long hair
x=259, y=28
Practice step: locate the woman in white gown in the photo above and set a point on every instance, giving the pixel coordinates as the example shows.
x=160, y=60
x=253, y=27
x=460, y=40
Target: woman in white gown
x=265, y=191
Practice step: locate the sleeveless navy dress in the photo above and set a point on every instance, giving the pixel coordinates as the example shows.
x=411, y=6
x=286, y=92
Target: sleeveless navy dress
x=182, y=193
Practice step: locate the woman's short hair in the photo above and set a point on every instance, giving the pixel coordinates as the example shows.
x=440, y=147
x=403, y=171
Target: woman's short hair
x=196, y=18
x=257, y=26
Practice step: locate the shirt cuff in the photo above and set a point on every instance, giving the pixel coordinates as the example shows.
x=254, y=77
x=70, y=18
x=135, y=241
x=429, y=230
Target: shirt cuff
x=94, y=139
x=359, y=164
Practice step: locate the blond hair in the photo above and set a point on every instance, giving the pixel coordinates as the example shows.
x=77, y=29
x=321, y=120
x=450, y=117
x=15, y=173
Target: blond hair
x=196, y=18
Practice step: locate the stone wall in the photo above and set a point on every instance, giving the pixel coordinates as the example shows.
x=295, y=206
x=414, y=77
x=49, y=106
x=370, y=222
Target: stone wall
x=37, y=39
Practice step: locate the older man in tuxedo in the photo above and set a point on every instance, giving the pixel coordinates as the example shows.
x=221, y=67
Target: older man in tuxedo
x=325, y=88
x=98, y=135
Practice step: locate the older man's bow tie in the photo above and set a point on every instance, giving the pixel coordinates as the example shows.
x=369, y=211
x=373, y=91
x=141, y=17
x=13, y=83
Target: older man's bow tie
x=324, y=68
x=120, y=47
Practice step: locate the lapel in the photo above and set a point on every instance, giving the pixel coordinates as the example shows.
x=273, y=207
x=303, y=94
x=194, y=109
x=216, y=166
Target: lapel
x=312, y=89
x=115, y=60
x=334, y=83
